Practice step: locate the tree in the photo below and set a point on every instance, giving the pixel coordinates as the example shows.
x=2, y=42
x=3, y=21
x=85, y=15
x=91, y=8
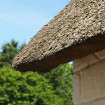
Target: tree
x=61, y=79
x=8, y=51
x=28, y=88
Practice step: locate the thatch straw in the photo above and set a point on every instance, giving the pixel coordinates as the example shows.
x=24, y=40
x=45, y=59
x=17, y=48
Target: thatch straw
x=77, y=31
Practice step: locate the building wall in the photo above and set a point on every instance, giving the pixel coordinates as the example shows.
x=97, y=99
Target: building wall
x=89, y=80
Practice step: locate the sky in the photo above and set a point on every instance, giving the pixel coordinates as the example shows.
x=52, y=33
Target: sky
x=22, y=19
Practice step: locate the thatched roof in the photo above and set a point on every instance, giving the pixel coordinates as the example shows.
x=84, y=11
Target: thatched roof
x=77, y=31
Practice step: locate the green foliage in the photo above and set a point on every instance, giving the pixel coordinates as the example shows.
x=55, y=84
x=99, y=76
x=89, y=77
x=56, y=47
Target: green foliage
x=8, y=51
x=61, y=79
x=29, y=88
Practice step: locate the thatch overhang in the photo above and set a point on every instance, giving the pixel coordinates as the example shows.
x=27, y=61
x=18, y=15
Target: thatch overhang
x=77, y=31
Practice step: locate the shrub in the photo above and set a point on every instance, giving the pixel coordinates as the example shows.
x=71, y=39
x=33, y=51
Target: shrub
x=29, y=88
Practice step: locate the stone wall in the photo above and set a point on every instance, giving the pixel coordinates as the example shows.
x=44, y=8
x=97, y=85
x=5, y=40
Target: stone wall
x=89, y=80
